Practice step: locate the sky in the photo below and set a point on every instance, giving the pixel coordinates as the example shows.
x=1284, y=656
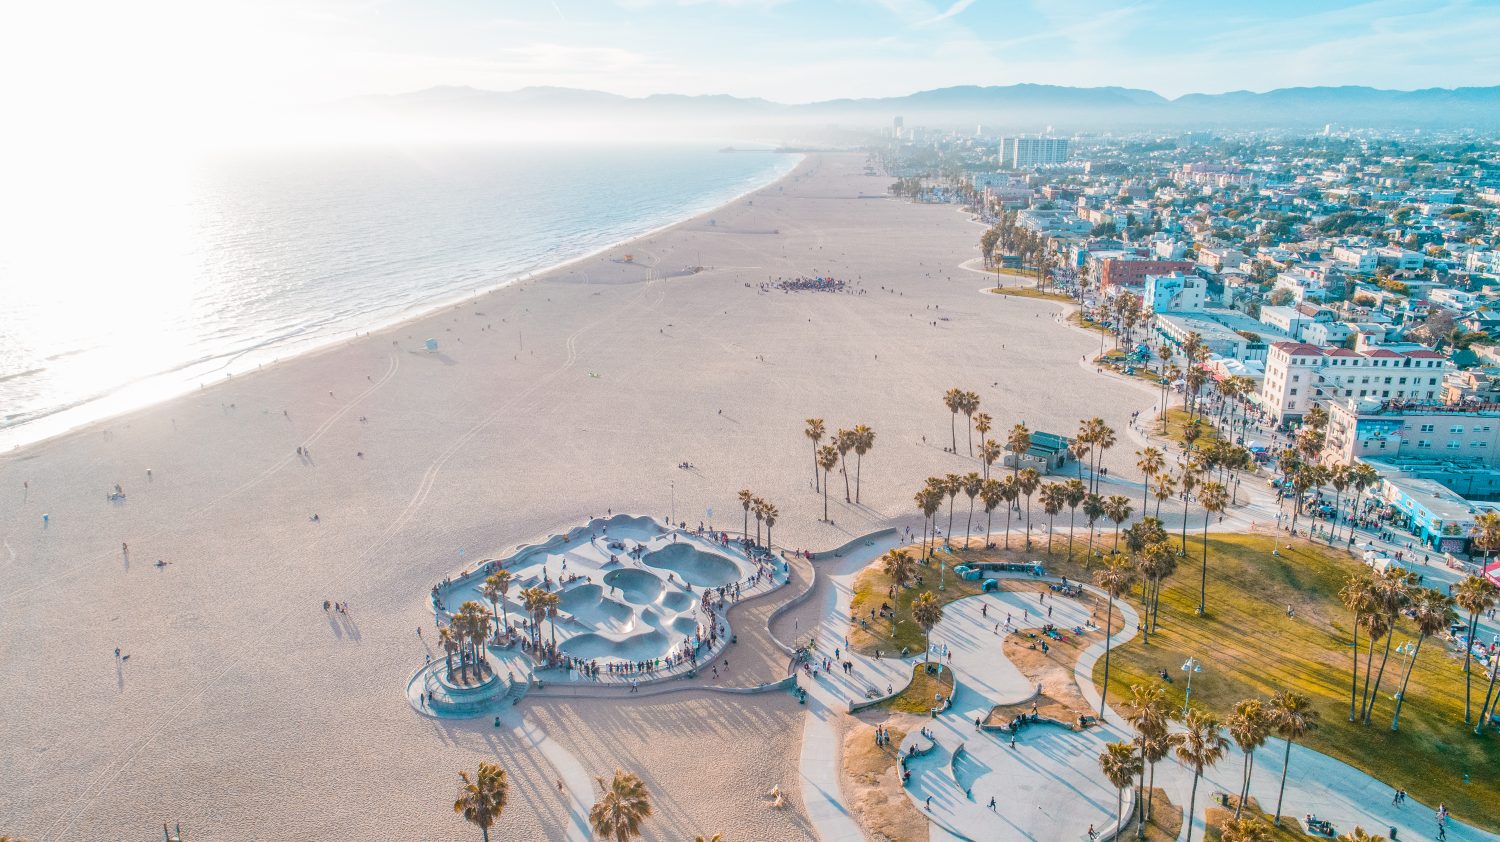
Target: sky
x=75, y=60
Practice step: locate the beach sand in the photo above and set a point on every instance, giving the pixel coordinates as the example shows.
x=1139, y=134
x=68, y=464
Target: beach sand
x=246, y=712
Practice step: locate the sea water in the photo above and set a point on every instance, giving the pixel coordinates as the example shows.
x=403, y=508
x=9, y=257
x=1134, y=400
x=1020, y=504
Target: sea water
x=121, y=290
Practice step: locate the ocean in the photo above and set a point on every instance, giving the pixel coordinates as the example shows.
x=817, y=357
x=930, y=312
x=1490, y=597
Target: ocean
x=123, y=291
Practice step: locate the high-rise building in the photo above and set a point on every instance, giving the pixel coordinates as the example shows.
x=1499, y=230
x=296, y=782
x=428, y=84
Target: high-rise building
x=1027, y=152
x=897, y=124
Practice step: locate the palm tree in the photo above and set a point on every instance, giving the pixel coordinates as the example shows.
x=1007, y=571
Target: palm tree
x=1357, y=595
x=1250, y=727
x=1362, y=477
x=1246, y=829
x=482, y=798
x=954, y=400
x=1148, y=711
x=1339, y=476
x=496, y=586
x=1117, y=509
x=747, y=498
x=989, y=451
x=1119, y=764
x=1149, y=462
x=990, y=493
x=1163, y=486
x=449, y=642
x=1053, y=496
x=1292, y=716
x=1392, y=593
x=972, y=484
x=1010, y=492
x=1432, y=611
x=770, y=513
x=899, y=566
x=844, y=441
x=864, y=440
x=815, y=432
x=1201, y=746
x=1101, y=439
x=926, y=611
x=1074, y=493
x=828, y=459
x=758, y=508
x=1475, y=595
x=930, y=501
x=1093, y=509
x=953, y=485
x=1116, y=577
x=1018, y=443
x=969, y=407
x=533, y=600
x=1484, y=707
x=1213, y=497
x=983, y=423
x=1027, y=481
x=625, y=805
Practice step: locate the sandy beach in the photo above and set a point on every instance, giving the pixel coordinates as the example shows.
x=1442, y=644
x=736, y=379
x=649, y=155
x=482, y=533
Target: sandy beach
x=245, y=712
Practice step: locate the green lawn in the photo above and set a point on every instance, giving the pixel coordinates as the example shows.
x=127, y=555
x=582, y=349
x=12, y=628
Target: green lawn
x=1033, y=292
x=918, y=696
x=871, y=589
x=1251, y=648
x=1177, y=424
x=1083, y=321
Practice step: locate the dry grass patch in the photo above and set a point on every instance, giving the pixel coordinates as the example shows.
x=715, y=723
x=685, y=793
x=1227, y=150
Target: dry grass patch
x=1215, y=816
x=925, y=685
x=872, y=785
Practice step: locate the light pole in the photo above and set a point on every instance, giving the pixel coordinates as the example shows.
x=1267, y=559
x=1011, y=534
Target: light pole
x=1190, y=666
x=672, y=483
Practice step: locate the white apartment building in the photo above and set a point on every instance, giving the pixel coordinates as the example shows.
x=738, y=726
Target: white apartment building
x=1399, y=259
x=1375, y=429
x=1174, y=293
x=1299, y=375
x=1027, y=152
x=1359, y=260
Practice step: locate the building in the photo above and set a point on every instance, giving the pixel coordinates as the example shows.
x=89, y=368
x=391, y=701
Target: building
x=1048, y=452
x=1299, y=375
x=1356, y=260
x=1029, y=152
x=1125, y=272
x=1437, y=515
x=1387, y=429
x=1174, y=293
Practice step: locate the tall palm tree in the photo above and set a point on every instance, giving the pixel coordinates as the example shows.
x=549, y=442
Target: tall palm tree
x=1116, y=577
x=1432, y=611
x=953, y=485
x=844, y=441
x=1163, y=487
x=1489, y=694
x=1053, y=496
x=814, y=431
x=990, y=494
x=954, y=400
x=983, y=423
x=926, y=612
x=1213, y=497
x=1027, y=481
x=1339, y=476
x=1292, y=716
x=758, y=508
x=449, y=642
x=930, y=501
x=624, y=807
x=864, y=440
x=1199, y=747
x=1392, y=593
x=1149, y=461
x=1149, y=712
x=1074, y=493
x=747, y=499
x=828, y=459
x=1357, y=595
x=1010, y=492
x=1475, y=595
x=970, y=484
x=968, y=408
x=1093, y=509
x=770, y=513
x=989, y=452
x=1101, y=439
x=1117, y=509
x=482, y=798
x=1119, y=764
x=1250, y=726
x=1363, y=476
x=1018, y=443
x=496, y=585
x=533, y=601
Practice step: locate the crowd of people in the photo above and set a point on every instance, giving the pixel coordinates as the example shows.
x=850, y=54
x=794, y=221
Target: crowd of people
x=806, y=283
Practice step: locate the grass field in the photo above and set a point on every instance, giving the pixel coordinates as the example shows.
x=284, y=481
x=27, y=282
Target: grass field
x=873, y=587
x=1251, y=647
x=918, y=696
x=1033, y=292
x=1177, y=424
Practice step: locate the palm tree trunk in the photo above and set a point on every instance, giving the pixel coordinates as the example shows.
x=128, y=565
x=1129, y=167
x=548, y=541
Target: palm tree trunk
x=1049, y=534
x=815, y=466
x=1364, y=693
x=1484, y=709
x=989, y=516
x=948, y=537
x=859, y=464
x=1192, y=798
x=969, y=529
x=825, y=501
x=1244, y=784
x=1375, y=692
x=1468, y=676
x=1028, y=520
x=1109, y=627
x=844, y=469
x=1072, y=514
x=1007, y=524
x=1401, y=694
x=1354, y=680
x=1150, y=795
x=1203, y=579
x=953, y=429
x=1286, y=761
x=1140, y=824
x=1184, y=521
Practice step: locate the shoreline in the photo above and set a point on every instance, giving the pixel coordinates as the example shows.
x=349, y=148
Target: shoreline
x=123, y=400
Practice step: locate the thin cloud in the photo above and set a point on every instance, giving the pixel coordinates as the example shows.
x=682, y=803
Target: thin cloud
x=953, y=11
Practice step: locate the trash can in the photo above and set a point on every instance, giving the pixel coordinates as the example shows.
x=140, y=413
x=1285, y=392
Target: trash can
x=1393, y=833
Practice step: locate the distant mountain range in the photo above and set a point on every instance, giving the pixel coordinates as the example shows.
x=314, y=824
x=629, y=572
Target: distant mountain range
x=1007, y=107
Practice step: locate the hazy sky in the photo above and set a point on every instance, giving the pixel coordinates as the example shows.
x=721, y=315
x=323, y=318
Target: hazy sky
x=133, y=57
